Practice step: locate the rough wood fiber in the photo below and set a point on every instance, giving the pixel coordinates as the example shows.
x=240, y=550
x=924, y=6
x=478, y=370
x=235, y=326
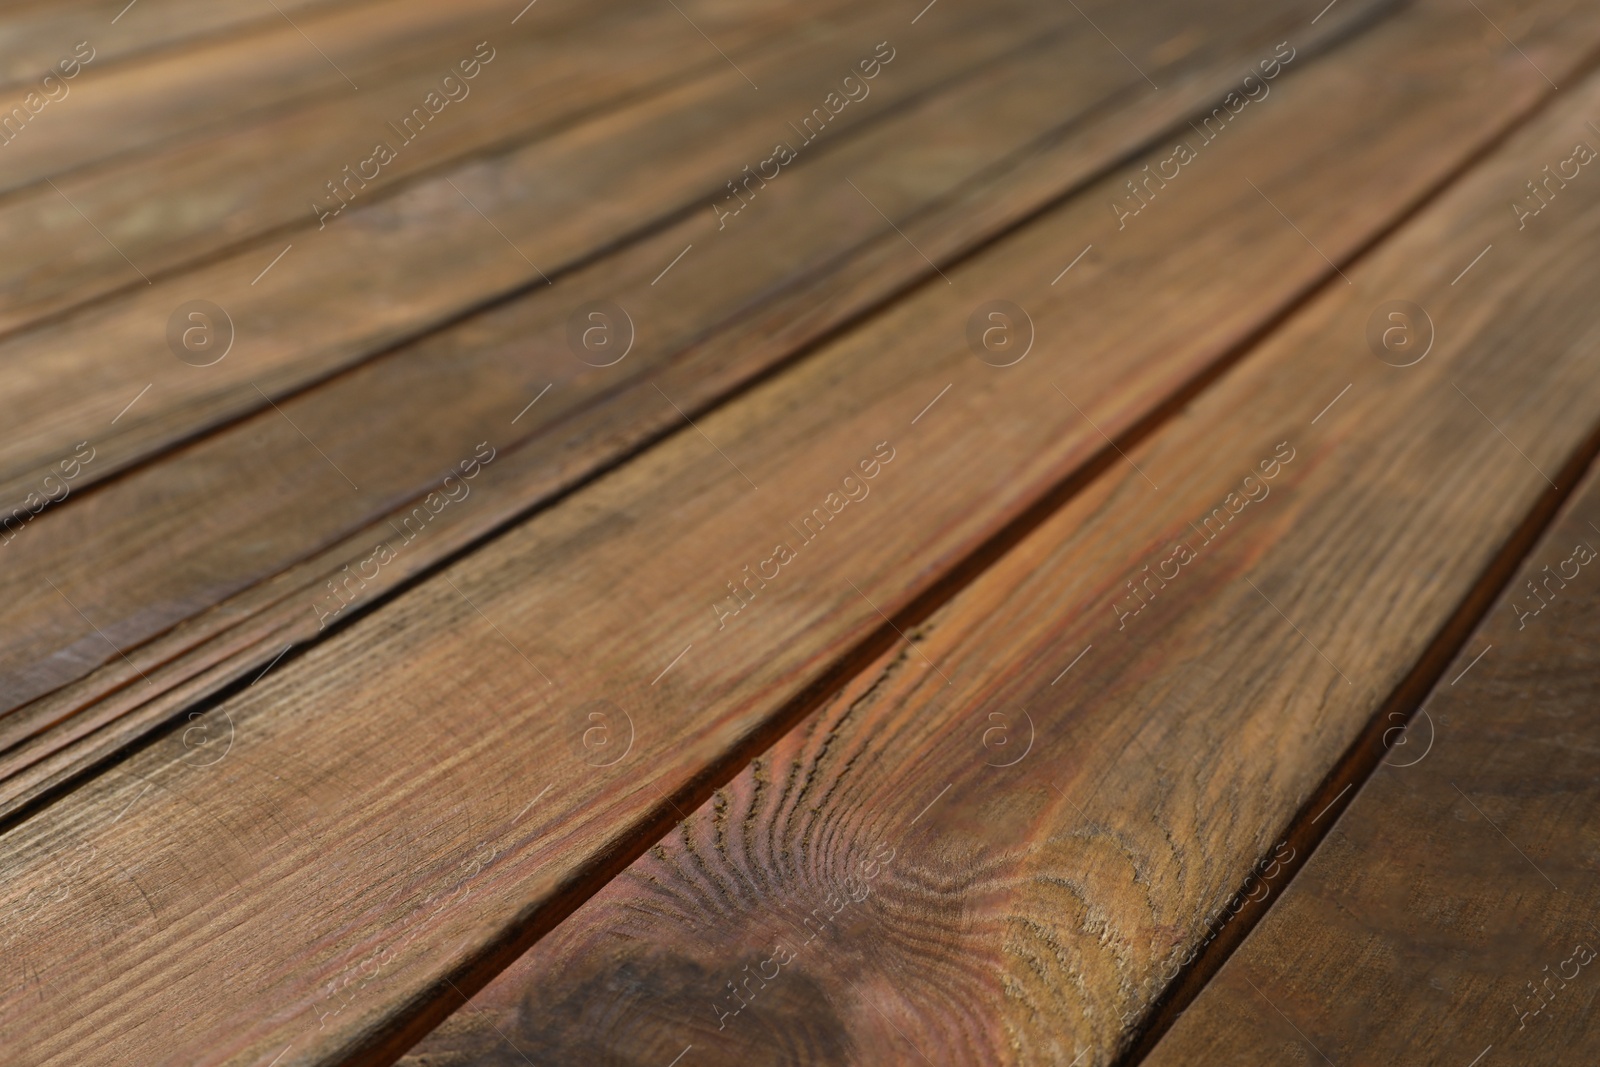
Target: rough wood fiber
x=326, y=843
x=946, y=169
x=999, y=842
x=1449, y=915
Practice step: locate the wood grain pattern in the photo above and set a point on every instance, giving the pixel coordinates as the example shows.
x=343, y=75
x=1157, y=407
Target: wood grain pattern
x=192, y=198
x=398, y=267
x=1439, y=920
x=327, y=841
x=37, y=34
x=945, y=168
x=998, y=843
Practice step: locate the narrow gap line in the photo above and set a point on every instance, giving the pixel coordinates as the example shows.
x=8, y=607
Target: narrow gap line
x=901, y=232
x=501, y=232
x=1108, y=440
x=1335, y=800
x=1502, y=433
x=1301, y=232
x=702, y=433
x=910, y=643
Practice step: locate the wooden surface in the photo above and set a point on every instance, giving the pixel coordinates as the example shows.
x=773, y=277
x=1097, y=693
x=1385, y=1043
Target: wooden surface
x=1031, y=912
x=1449, y=915
x=738, y=321
x=417, y=652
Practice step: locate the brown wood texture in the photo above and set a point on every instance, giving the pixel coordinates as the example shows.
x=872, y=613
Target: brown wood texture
x=38, y=34
x=411, y=801
x=188, y=199
x=124, y=107
x=999, y=842
x=945, y=168
x=1449, y=915
x=392, y=269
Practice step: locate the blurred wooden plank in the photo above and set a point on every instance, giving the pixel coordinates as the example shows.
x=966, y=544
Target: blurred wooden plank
x=35, y=36
x=1000, y=842
x=409, y=803
x=191, y=198
x=248, y=579
x=1449, y=915
x=327, y=50
x=387, y=271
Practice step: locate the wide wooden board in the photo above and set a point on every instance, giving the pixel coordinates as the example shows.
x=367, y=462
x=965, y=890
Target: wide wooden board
x=394, y=268
x=946, y=169
x=326, y=841
x=192, y=198
x=1449, y=915
x=1002, y=842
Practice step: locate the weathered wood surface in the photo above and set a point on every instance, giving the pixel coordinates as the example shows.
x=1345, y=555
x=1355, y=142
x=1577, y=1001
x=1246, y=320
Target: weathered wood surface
x=407, y=804
x=392, y=269
x=999, y=842
x=250, y=578
x=1449, y=915
x=193, y=198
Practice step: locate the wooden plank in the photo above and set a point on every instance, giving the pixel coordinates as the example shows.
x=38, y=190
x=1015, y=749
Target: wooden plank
x=197, y=197
x=944, y=168
x=35, y=36
x=1441, y=916
x=129, y=106
x=999, y=842
x=331, y=839
x=394, y=268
